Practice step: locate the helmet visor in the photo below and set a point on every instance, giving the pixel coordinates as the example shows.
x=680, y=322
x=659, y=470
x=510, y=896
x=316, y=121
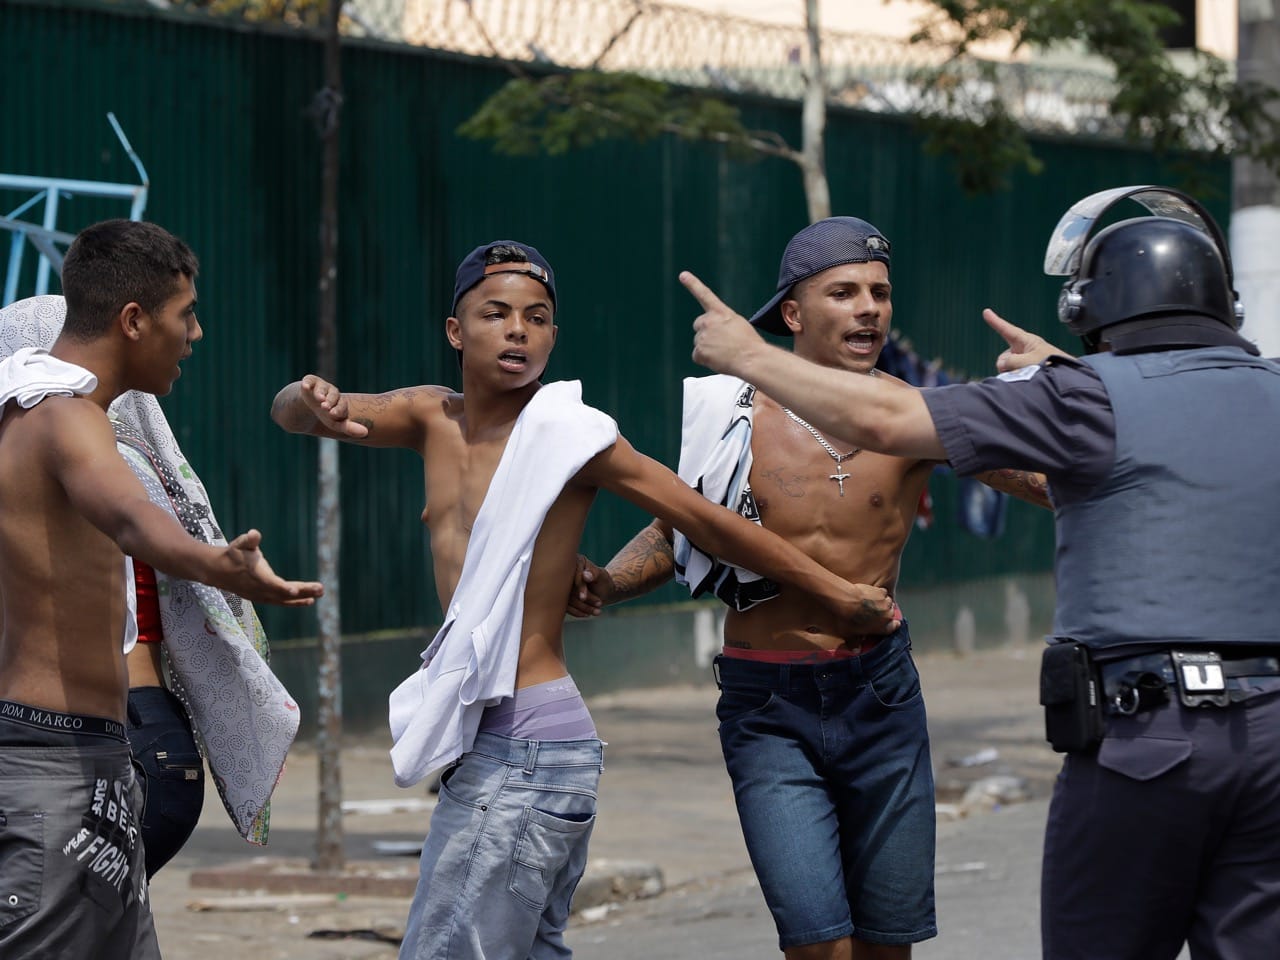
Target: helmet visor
x=1062, y=256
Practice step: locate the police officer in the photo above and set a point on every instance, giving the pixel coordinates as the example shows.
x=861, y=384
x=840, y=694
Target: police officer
x=1161, y=682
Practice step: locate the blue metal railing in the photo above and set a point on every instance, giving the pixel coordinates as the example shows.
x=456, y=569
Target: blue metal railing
x=48, y=241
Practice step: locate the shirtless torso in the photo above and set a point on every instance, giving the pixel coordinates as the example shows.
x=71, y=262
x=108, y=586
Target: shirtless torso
x=62, y=577
x=858, y=536
x=457, y=474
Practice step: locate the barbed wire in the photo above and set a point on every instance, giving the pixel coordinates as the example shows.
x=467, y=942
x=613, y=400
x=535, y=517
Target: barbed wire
x=697, y=48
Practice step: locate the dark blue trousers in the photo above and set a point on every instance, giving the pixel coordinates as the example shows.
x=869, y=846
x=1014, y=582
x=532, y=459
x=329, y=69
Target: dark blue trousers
x=1169, y=833
x=169, y=770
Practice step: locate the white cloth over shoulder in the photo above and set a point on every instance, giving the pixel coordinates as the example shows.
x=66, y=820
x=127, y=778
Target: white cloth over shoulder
x=30, y=375
x=715, y=459
x=471, y=662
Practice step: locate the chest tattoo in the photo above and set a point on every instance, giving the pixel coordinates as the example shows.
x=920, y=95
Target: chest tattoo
x=790, y=486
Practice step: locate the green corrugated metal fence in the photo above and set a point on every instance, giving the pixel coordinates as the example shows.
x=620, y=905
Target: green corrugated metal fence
x=219, y=115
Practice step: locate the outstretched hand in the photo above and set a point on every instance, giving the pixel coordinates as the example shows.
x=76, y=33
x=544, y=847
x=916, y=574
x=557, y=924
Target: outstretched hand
x=720, y=335
x=329, y=406
x=256, y=582
x=1025, y=348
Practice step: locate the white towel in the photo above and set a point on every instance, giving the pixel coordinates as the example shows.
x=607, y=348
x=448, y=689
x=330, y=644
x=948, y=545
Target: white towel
x=31, y=374
x=471, y=663
x=715, y=459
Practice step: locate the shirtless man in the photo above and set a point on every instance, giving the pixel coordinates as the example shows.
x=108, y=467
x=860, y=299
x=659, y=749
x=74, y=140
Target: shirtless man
x=822, y=725
x=511, y=469
x=70, y=511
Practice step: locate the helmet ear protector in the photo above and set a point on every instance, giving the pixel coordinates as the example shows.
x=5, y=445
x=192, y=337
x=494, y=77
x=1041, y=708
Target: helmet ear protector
x=1076, y=229
x=1071, y=305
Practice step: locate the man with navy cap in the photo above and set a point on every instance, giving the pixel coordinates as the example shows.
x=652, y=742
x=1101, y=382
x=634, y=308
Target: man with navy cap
x=512, y=466
x=823, y=728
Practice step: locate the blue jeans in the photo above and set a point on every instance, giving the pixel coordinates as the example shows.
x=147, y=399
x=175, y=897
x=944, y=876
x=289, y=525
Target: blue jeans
x=832, y=777
x=170, y=770
x=506, y=849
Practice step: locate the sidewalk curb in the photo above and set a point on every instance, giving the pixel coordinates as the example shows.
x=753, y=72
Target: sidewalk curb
x=615, y=881
x=604, y=881
x=279, y=875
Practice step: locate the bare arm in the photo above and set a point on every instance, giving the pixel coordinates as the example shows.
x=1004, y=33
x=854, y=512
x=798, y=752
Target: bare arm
x=81, y=454
x=868, y=412
x=1023, y=484
x=643, y=565
x=394, y=419
x=640, y=567
x=719, y=531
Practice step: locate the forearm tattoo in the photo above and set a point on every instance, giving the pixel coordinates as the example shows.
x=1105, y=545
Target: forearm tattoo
x=1023, y=484
x=643, y=564
x=381, y=403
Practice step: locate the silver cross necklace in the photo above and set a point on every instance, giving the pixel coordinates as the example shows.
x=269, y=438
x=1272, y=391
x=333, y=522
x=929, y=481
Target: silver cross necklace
x=839, y=458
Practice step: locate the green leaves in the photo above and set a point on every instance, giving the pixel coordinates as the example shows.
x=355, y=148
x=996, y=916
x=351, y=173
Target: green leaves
x=1188, y=105
x=972, y=110
x=569, y=111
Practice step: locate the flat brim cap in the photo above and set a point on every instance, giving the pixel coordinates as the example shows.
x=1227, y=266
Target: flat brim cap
x=473, y=269
x=820, y=246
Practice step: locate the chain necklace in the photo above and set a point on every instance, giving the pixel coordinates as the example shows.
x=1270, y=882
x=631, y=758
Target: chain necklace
x=839, y=458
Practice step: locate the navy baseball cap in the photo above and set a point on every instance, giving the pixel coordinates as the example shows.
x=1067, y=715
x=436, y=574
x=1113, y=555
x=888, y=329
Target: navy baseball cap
x=819, y=246
x=473, y=269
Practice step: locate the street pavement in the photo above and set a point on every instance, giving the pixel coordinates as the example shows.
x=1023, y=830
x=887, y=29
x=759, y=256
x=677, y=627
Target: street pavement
x=666, y=810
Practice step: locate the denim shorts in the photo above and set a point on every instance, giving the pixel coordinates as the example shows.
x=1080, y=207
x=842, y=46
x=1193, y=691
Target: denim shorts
x=170, y=771
x=834, y=786
x=506, y=849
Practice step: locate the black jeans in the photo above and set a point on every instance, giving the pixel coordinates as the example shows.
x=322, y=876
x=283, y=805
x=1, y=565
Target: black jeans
x=169, y=770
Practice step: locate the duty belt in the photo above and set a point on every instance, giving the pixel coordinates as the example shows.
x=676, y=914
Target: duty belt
x=1202, y=678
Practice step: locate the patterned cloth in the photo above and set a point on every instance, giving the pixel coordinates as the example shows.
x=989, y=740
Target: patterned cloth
x=715, y=459
x=216, y=650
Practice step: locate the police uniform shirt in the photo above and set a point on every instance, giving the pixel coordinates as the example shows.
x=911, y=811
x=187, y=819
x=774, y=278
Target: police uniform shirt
x=1054, y=418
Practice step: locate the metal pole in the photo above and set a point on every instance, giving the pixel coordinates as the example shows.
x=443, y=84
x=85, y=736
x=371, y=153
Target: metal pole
x=327, y=110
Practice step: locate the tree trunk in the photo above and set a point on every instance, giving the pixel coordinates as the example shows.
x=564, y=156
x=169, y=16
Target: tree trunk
x=328, y=107
x=814, y=122
x=1255, y=220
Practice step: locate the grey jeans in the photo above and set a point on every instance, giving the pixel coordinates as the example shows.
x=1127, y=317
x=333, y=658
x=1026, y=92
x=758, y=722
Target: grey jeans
x=507, y=847
x=72, y=882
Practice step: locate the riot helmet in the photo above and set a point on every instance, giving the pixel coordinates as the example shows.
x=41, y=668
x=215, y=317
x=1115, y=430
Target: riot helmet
x=1155, y=282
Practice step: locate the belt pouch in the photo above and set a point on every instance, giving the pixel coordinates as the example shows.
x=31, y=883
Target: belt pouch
x=1071, y=695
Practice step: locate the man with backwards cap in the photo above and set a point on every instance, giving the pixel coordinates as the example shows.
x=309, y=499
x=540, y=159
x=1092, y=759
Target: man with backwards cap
x=1161, y=681
x=511, y=468
x=822, y=726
